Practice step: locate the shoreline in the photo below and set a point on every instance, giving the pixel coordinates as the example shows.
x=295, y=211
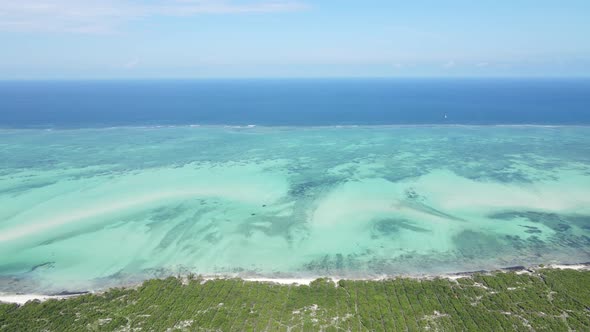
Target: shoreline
x=21, y=299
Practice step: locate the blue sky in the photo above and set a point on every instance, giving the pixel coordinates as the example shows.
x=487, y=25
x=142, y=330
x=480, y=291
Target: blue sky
x=73, y=39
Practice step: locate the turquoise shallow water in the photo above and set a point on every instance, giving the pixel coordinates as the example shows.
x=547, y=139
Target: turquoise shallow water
x=92, y=208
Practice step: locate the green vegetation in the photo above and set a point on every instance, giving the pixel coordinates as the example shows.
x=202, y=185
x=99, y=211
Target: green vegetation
x=546, y=300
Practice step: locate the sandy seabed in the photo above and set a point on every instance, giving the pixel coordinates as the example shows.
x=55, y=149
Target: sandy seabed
x=96, y=208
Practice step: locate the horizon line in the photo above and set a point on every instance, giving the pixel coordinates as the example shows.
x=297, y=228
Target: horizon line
x=271, y=78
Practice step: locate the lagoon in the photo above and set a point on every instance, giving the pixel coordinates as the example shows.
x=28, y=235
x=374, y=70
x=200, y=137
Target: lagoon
x=85, y=209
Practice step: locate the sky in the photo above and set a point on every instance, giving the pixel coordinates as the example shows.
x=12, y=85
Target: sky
x=117, y=39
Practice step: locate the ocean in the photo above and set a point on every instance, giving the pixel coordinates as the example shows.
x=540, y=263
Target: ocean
x=110, y=183
x=75, y=104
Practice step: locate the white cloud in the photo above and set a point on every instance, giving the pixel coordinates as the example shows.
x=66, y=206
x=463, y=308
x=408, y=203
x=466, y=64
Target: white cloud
x=449, y=64
x=96, y=16
x=131, y=64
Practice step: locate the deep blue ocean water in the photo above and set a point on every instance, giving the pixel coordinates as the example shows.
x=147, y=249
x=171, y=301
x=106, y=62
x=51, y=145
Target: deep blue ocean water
x=294, y=102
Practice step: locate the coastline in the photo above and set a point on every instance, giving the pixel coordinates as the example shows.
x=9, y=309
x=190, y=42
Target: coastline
x=21, y=299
